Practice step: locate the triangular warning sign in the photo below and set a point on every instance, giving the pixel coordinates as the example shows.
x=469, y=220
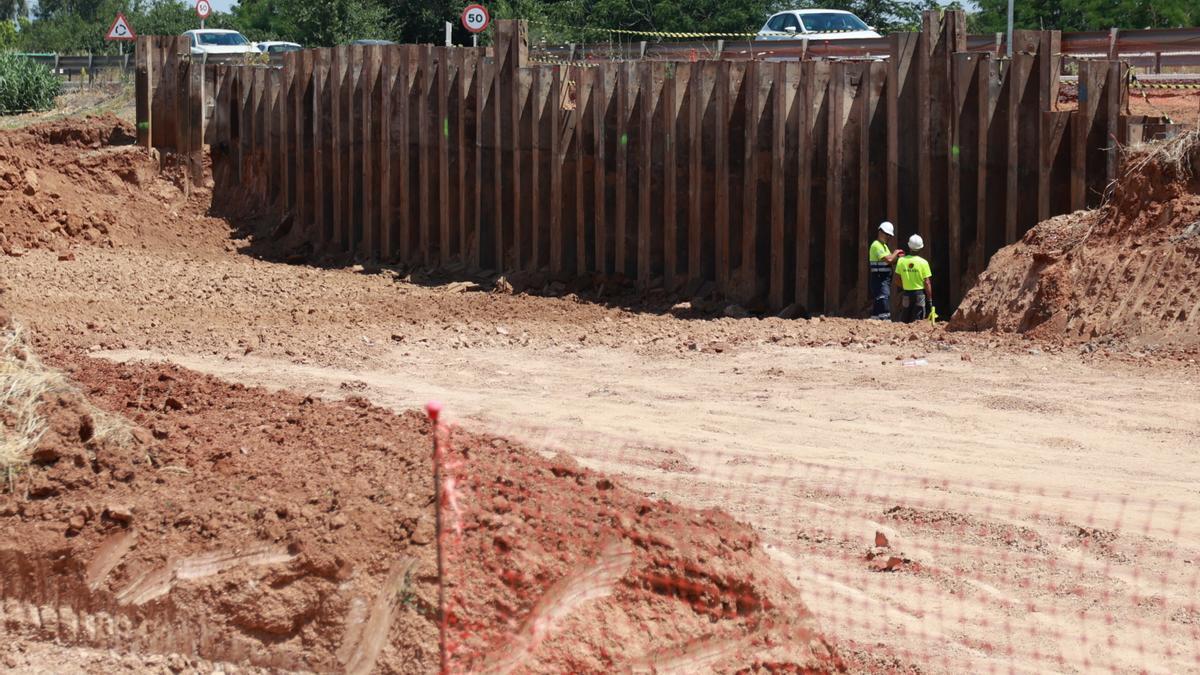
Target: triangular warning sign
x=120, y=29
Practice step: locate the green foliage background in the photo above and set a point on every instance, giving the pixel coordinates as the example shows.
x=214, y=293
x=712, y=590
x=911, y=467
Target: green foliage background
x=78, y=26
x=25, y=85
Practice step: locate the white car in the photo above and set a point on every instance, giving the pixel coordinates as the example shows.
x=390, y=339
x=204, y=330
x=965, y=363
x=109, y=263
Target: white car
x=815, y=24
x=277, y=46
x=218, y=41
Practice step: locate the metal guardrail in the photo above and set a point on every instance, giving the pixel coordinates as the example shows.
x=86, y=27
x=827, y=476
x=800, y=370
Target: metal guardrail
x=71, y=65
x=1151, y=48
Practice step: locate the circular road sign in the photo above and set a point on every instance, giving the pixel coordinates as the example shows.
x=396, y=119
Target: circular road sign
x=203, y=8
x=475, y=18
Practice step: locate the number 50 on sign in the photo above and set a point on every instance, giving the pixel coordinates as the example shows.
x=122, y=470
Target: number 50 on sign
x=475, y=18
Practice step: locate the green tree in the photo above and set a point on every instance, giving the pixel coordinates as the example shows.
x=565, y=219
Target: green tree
x=1074, y=15
x=314, y=23
x=10, y=10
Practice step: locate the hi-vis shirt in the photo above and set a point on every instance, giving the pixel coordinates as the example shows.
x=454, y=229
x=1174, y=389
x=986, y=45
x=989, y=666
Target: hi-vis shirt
x=913, y=271
x=875, y=258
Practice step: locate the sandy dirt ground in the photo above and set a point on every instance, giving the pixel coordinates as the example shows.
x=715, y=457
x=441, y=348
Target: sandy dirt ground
x=945, y=502
x=1042, y=502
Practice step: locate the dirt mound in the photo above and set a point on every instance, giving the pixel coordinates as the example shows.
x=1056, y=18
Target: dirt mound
x=91, y=132
x=80, y=182
x=1130, y=269
x=271, y=529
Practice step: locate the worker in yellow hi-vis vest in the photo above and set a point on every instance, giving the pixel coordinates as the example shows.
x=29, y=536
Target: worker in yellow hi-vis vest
x=880, y=259
x=913, y=276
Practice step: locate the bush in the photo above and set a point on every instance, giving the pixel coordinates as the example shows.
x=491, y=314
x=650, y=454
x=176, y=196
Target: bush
x=26, y=85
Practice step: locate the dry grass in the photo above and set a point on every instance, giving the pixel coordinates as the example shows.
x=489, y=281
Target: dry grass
x=1177, y=154
x=24, y=382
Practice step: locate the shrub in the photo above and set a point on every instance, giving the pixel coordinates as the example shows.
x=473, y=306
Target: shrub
x=26, y=85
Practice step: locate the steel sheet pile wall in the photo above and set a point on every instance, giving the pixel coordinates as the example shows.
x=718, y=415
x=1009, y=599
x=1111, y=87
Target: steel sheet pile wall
x=765, y=178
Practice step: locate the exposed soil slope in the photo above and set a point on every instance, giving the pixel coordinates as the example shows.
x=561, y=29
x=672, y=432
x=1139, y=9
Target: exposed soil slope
x=79, y=182
x=1129, y=269
x=280, y=531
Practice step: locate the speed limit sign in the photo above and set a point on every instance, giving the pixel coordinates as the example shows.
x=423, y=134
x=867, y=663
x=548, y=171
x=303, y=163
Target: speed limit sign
x=475, y=18
x=203, y=8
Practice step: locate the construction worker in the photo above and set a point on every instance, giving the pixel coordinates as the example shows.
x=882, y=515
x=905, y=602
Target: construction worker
x=880, y=260
x=912, y=275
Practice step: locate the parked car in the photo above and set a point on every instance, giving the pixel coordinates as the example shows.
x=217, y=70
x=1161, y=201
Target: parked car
x=372, y=42
x=815, y=24
x=277, y=47
x=218, y=41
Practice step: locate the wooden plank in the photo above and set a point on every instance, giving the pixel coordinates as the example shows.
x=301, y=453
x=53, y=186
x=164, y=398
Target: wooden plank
x=782, y=90
x=753, y=112
x=198, y=111
x=369, y=188
x=623, y=96
x=498, y=129
x=721, y=92
x=805, y=115
x=144, y=89
x=601, y=91
x=1049, y=66
x=985, y=105
x=926, y=45
x=287, y=75
x=833, y=188
x=320, y=119
x=519, y=89
x=480, y=83
x=583, y=108
x=256, y=119
x=537, y=87
x=670, y=97
x=305, y=207
x=962, y=79
x=387, y=218
x=464, y=69
x=1018, y=74
x=266, y=81
x=863, y=227
x=426, y=168
x=338, y=95
x=444, y=74
x=556, y=167
x=402, y=100
x=352, y=140
x=645, y=184
x=1117, y=74
x=501, y=88
x=695, y=204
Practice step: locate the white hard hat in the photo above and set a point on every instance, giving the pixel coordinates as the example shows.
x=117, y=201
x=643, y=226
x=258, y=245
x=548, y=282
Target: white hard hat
x=887, y=228
x=916, y=243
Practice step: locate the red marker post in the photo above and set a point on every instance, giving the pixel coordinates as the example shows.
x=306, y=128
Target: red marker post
x=434, y=410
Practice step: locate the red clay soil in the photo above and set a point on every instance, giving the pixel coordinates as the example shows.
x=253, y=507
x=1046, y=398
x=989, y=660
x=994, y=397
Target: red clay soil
x=266, y=528
x=1128, y=270
x=82, y=182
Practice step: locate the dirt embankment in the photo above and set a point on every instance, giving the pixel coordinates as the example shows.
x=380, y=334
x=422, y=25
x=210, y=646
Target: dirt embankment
x=83, y=182
x=279, y=531
x=1130, y=269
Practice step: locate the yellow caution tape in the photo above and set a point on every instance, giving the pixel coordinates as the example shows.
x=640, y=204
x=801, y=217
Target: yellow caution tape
x=551, y=61
x=1142, y=84
x=1164, y=85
